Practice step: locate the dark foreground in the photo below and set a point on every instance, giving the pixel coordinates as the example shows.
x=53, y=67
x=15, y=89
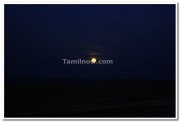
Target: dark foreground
x=89, y=98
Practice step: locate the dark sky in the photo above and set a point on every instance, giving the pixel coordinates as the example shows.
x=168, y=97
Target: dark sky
x=140, y=39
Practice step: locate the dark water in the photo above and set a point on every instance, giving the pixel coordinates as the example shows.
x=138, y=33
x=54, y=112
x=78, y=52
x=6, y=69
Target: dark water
x=101, y=98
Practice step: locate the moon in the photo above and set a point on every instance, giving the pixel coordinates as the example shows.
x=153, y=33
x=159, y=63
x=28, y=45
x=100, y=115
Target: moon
x=93, y=60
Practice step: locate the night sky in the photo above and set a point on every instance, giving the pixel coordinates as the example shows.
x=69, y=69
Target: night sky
x=140, y=39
